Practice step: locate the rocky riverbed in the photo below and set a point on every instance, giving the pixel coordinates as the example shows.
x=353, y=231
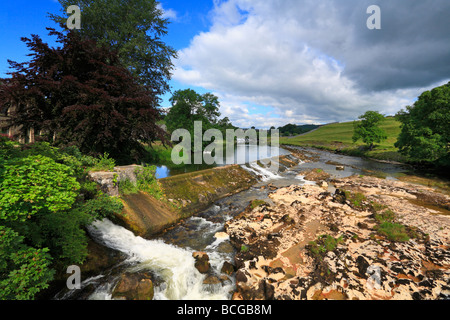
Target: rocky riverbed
x=367, y=238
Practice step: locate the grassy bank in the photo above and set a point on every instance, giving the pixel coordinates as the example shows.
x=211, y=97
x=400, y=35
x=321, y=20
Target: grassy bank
x=338, y=137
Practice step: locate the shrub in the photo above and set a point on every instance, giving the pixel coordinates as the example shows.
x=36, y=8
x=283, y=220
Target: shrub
x=24, y=270
x=147, y=182
x=36, y=184
x=104, y=163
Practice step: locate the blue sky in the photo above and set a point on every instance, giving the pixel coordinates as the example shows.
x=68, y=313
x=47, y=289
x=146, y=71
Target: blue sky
x=21, y=18
x=293, y=61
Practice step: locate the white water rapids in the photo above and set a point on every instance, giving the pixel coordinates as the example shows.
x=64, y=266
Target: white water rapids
x=181, y=280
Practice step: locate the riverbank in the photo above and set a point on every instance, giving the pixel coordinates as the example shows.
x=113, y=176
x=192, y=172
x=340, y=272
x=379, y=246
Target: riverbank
x=378, y=239
x=337, y=137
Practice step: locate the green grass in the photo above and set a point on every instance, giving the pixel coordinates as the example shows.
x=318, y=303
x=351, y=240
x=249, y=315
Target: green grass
x=257, y=203
x=356, y=199
x=323, y=244
x=338, y=137
x=393, y=231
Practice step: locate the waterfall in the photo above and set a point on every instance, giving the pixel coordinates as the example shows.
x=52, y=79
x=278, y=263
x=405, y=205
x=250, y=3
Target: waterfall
x=181, y=280
x=260, y=171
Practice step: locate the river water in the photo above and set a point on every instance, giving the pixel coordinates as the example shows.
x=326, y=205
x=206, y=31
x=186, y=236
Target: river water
x=243, y=153
x=169, y=257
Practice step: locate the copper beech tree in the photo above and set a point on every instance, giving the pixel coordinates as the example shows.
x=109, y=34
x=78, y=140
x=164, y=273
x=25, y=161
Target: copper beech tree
x=80, y=94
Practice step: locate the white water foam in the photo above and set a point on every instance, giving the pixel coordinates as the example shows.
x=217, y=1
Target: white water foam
x=173, y=264
x=266, y=174
x=302, y=178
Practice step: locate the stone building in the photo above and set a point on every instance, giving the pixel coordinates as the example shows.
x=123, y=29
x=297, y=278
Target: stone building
x=7, y=128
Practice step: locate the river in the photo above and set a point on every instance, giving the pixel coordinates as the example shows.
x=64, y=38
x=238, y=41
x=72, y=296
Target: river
x=169, y=257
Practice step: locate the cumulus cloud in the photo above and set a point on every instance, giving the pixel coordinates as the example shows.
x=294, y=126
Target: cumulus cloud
x=168, y=13
x=316, y=61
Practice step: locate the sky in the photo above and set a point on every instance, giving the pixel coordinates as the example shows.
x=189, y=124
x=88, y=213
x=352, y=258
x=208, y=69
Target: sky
x=275, y=62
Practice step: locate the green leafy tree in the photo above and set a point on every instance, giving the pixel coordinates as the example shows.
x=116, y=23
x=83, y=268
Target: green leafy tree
x=189, y=106
x=79, y=94
x=425, y=129
x=368, y=130
x=135, y=29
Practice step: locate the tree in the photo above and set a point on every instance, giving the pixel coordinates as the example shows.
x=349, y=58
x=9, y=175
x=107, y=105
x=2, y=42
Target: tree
x=368, y=129
x=189, y=106
x=80, y=94
x=135, y=29
x=425, y=130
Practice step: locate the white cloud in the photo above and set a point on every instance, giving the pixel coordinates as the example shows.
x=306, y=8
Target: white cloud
x=168, y=13
x=285, y=55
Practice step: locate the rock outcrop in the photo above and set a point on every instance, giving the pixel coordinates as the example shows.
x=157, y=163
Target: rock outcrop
x=371, y=239
x=134, y=286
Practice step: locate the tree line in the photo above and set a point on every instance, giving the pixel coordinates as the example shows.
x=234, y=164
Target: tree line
x=425, y=129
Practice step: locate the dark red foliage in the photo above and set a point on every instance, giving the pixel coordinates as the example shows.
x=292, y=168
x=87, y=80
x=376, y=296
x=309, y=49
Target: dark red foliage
x=79, y=94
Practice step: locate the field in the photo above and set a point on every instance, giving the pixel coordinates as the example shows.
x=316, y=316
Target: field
x=338, y=137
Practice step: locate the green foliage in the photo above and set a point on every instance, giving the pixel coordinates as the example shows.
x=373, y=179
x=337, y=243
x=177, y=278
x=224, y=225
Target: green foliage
x=7, y=149
x=425, y=130
x=127, y=187
x=104, y=163
x=393, y=231
x=385, y=216
x=292, y=129
x=24, y=271
x=257, y=203
x=244, y=248
x=103, y=206
x=145, y=181
x=43, y=215
x=86, y=97
x=323, y=244
x=135, y=29
x=35, y=184
x=188, y=107
x=338, y=137
x=368, y=129
x=357, y=200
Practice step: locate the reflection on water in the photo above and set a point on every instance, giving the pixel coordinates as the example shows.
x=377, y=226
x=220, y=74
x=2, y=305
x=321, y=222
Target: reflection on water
x=243, y=153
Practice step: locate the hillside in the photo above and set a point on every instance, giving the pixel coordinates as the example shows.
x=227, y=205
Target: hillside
x=338, y=137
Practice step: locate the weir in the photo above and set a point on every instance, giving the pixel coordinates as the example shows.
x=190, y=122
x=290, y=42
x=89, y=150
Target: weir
x=186, y=194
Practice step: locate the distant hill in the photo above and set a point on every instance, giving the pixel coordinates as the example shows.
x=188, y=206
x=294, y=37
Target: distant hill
x=294, y=130
x=338, y=137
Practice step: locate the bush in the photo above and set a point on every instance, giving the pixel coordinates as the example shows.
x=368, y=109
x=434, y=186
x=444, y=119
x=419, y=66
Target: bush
x=36, y=184
x=43, y=215
x=104, y=163
x=24, y=271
